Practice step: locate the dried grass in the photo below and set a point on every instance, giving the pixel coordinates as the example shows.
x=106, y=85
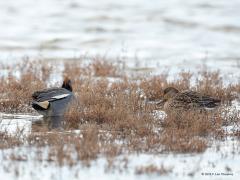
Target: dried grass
x=113, y=117
x=8, y=141
x=153, y=169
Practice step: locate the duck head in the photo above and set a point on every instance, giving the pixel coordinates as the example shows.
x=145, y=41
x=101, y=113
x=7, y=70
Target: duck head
x=168, y=93
x=67, y=84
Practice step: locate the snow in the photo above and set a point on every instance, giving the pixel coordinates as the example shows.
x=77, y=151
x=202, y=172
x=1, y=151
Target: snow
x=184, y=166
x=212, y=164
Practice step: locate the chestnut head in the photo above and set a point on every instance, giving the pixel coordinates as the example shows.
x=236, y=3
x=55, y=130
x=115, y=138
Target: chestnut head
x=67, y=84
x=169, y=92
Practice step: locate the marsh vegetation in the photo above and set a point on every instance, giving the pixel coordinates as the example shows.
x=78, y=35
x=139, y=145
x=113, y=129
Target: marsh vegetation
x=113, y=116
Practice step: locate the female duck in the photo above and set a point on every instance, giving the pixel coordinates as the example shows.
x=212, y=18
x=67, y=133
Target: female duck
x=187, y=100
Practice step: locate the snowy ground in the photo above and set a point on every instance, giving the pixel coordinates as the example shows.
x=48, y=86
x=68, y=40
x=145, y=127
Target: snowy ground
x=212, y=164
x=220, y=161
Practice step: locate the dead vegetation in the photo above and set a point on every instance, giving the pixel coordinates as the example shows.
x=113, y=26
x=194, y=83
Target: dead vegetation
x=20, y=81
x=8, y=141
x=113, y=116
x=153, y=169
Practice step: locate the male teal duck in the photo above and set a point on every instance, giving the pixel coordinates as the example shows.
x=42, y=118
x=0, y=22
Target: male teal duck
x=53, y=102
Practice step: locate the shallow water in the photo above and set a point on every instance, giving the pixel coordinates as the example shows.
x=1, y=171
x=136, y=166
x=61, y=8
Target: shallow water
x=156, y=32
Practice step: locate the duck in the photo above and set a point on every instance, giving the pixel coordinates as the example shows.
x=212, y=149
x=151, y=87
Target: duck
x=174, y=100
x=53, y=102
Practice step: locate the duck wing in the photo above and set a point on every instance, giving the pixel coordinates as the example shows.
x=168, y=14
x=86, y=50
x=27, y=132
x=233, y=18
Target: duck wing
x=196, y=99
x=50, y=94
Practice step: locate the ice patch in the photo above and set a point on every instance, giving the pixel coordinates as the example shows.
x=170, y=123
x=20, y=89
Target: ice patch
x=17, y=123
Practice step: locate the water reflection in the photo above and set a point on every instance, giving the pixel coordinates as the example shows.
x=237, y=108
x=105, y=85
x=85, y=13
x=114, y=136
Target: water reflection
x=48, y=123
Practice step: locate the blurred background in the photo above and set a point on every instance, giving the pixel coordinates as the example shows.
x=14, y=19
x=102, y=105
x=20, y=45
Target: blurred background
x=156, y=32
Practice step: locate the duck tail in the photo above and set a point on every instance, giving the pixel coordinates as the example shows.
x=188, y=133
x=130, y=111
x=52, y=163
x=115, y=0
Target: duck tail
x=213, y=103
x=41, y=106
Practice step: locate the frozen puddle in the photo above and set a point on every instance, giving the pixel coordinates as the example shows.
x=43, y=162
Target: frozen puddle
x=17, y=123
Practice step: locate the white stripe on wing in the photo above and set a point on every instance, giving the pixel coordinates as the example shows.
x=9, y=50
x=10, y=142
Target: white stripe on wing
x=61, y=96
